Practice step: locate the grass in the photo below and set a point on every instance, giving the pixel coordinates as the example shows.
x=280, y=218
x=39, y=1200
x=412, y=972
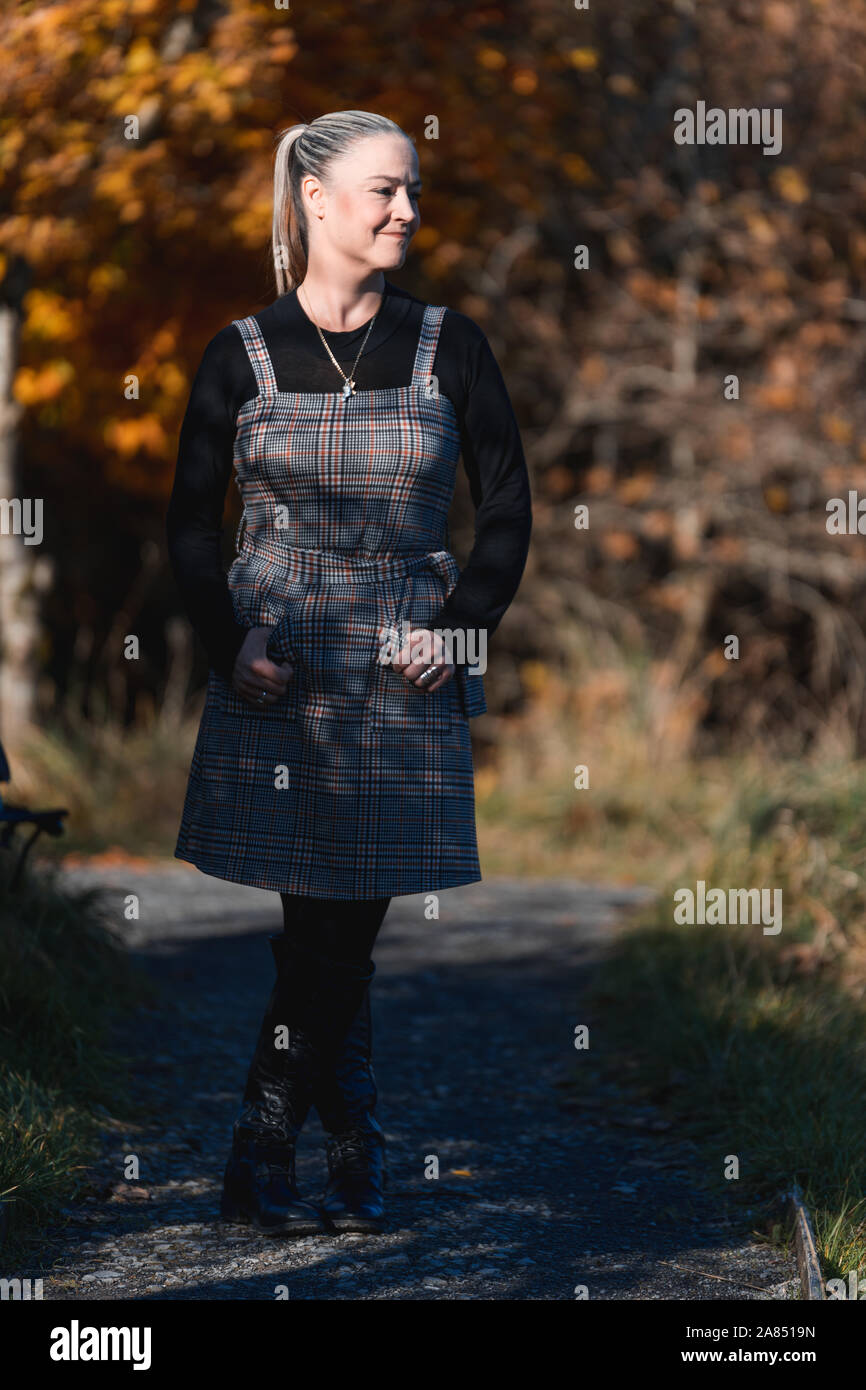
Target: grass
x=756, y=1044
x=63, y=976
x=121, y=785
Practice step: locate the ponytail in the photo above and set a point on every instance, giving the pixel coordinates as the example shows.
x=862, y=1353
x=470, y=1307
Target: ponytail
x=310, y=149
x=289, y=233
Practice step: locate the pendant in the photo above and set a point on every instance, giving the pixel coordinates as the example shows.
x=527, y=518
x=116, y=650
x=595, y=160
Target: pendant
x=348, y=389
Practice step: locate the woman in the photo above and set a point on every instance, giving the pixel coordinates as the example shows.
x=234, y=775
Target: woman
x=333, y=762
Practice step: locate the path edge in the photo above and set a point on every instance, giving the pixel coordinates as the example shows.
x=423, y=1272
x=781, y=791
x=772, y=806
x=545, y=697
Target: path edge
x=808, y=1264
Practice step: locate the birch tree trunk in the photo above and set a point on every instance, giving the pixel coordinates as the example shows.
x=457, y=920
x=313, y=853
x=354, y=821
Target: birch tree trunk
x=24, y=569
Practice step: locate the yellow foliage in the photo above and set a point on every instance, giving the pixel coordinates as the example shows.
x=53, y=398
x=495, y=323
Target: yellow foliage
x=761, y=228
x=645, y=289
x=426, y=238
x=790, y=184
x=236, y=74
x=575, y=167
x=486, y=781
x=777, y=397
x=836, y=429
x=491, y=58
x=524, y=81
x=49, y=316
x=777, y=499
x=715, y=664
x=621, y=248
x=10, y=144
x=251, y=223
x=141, y=57
x=35, y=386
x=583, y=59
x=131, y=211
x=637, y=488
x=536, y=676
x=143, y=434
x=115, y=182
x=106, y=279
x=165, y=339
x=593, y=369
x=284, y=52
x=172, y=380
x=216, y=103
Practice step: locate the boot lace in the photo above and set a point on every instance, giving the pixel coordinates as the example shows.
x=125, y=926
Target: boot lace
x=351, y=1151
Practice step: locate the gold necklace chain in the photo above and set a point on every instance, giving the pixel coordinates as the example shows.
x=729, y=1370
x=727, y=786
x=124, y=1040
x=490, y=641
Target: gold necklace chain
x=348, y=381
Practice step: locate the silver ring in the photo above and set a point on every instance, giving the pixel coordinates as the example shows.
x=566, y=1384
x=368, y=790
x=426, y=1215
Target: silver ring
x=431, y=671
x=261, y=699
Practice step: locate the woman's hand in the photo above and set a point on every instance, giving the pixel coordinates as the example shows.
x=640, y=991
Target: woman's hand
x=432, y=644
x=254, y=671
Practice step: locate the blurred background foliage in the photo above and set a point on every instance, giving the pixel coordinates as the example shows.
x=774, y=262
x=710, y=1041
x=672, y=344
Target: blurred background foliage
x=707, y=516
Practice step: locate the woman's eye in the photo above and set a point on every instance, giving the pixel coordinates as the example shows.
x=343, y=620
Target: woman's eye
x=390, y=193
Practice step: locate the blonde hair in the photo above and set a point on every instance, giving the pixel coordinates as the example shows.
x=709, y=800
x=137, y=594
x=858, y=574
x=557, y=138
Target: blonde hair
x=311, y=149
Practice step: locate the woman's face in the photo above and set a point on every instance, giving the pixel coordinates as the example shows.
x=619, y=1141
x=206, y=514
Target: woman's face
x=368, y=211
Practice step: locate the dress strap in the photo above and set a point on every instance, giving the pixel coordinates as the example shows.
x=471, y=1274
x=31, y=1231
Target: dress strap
x=428, y=340
x=260, y=358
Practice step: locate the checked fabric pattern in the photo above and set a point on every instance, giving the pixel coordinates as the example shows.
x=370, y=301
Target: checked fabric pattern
x=356, y=784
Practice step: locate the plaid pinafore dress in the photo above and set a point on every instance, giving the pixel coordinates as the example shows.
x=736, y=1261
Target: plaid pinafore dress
x=355, y=784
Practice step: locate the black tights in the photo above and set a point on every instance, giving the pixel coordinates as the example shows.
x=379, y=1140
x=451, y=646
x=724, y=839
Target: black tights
x=342, y=930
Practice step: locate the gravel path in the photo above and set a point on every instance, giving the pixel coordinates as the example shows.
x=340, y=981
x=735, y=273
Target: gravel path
x=474, y=1017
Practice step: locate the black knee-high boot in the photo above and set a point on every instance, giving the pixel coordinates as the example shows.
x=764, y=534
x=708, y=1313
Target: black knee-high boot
x=259, y=1184
x=314, y=1002
x=345, y=1097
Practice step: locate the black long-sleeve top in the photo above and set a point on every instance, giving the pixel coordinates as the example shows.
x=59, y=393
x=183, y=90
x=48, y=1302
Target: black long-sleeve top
x=467, y=374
